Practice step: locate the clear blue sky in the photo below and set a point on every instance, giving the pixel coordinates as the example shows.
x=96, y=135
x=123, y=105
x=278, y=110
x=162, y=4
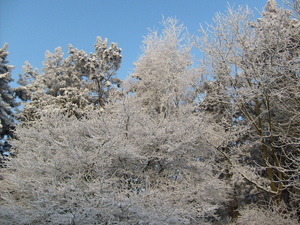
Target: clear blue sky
x=31, y=27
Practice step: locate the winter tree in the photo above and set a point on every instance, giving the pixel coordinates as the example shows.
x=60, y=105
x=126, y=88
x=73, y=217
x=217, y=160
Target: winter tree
x=162, y=75
x=251, y=100
x=71, y=85
x=7, y=99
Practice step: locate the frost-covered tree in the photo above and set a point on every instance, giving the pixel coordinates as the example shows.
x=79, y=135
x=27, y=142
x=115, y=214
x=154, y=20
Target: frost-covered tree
x=103, y=65
x=252, y=101
x=71, y=85
x=161, y=76
x=7, y=99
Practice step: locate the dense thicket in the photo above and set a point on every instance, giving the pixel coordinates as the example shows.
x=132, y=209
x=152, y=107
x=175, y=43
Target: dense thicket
x=176, y=144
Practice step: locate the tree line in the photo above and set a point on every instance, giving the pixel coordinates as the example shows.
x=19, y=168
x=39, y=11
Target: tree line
x=216, y=142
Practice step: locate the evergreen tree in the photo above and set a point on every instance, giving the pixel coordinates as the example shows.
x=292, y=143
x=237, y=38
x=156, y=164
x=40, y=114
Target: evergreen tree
x=73, y=85
x=7, y=100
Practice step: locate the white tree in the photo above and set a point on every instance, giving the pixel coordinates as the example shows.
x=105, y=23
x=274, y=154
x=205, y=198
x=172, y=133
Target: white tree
x=253, y=100
x=161, y=76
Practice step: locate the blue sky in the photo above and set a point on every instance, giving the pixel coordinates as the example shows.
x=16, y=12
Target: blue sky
x=31, y=27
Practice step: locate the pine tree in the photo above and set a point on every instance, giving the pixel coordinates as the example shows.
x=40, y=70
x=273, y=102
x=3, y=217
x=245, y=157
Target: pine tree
x=72, y=85
x=7, y=100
